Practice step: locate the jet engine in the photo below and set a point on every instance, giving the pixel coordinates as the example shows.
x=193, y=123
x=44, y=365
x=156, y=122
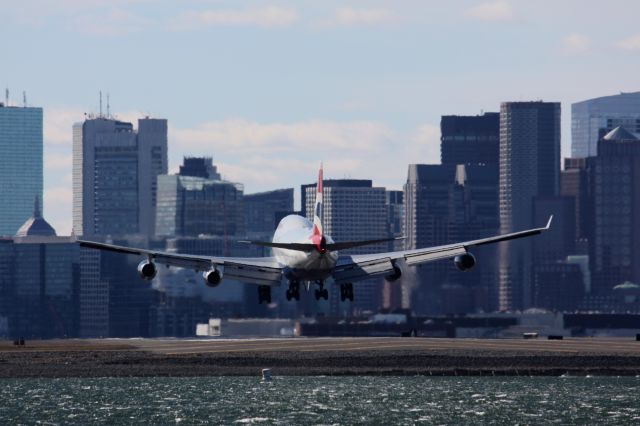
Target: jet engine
x=395, y=275
x=464, y=262
x=212, y=277
x=147, y=270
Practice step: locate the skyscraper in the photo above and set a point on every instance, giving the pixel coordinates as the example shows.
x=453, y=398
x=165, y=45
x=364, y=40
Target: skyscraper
x=353, y=210
x=529, y=168
x=470, y=139
x=264, y=208
x=607, y=112
x=192, y=205
x=616, y=235
x=20, y=165
x=447, y=204
x=115, y=173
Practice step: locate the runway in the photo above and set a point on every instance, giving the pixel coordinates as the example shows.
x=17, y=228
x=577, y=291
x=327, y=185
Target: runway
x=364, y=344
x=320, y=356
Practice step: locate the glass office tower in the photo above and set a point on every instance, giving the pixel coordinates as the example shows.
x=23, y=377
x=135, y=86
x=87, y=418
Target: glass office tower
x=607, y=112
x=20, y=165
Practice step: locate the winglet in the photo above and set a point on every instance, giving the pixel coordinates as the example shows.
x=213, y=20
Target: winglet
x=549, y=222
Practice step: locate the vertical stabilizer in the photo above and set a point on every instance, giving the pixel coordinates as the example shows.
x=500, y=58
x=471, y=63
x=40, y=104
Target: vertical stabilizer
x=317, y=211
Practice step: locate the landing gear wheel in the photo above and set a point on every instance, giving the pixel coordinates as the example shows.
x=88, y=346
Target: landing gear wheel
x=294, y=290
x=264, y=294
x=322, y=293
x=346, y=292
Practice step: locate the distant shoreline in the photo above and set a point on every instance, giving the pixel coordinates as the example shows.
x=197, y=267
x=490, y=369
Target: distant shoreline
x=215, y=358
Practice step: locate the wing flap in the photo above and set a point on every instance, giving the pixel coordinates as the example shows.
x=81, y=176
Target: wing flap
x=422, y=257
x=358, y=271
x=252, y=274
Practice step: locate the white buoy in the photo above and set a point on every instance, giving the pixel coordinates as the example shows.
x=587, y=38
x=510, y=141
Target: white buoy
x=266, y=375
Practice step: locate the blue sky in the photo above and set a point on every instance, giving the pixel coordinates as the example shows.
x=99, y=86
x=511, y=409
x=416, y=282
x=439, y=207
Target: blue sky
x=271, y=88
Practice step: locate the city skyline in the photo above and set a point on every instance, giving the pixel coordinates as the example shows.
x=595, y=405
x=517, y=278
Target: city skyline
x=360, y=86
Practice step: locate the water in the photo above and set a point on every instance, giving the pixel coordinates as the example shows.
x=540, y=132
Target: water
x=321, y=400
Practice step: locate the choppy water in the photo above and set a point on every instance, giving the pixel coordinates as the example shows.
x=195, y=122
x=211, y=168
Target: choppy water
x=321, y=400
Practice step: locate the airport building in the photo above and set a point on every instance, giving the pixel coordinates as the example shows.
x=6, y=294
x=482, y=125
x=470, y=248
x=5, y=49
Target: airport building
x=529, y=168
x=607, y=112
x=115, y=171
x=192, y=203
x=20, y=164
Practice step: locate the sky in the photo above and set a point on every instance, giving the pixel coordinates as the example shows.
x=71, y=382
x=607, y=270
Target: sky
x=270, y=89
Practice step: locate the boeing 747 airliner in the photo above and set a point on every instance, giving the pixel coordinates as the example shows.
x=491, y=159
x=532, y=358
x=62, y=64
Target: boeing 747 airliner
x=302, y=253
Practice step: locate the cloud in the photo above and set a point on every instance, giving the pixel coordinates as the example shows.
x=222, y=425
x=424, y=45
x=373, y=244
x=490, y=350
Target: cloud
x=57, y=125
x=114, y=23
x=270, y=16
x=57, y=208
x=350, y=16
x=276, y=155
x=57, y=162
x=576, y=43
x=494, y=11
x=629, y=43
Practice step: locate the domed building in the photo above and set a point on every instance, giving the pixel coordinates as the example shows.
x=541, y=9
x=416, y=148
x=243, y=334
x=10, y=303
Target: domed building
x=36, y=225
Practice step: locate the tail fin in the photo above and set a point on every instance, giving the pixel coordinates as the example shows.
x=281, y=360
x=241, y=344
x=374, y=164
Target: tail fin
x=317, y=211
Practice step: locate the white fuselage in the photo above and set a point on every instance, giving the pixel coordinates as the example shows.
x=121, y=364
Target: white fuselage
x=300, y=265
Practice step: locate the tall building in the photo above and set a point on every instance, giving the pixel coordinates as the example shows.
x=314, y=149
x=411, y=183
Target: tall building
x=20, y=164
x=43, y=282
x=575, y=183
x=193, y=205
x=264, y=209
x=115, y=173
x=616, y=235
x=470, y=139
x=607, y=112
x=353, y=210
x=201, y=167
x=529, y=168
x=446, y=204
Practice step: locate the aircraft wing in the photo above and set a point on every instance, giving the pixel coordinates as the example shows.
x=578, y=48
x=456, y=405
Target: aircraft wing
x=258, y=270
x=360, y=267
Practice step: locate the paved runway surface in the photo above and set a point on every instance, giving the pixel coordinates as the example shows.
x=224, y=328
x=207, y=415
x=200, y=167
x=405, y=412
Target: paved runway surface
x=569, y=345
x=319, y=356
x=576, y=346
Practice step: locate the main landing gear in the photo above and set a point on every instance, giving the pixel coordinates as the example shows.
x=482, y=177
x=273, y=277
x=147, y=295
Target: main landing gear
x=294, y=290
x=321, y=293
x=346, y=292
x=264, y=294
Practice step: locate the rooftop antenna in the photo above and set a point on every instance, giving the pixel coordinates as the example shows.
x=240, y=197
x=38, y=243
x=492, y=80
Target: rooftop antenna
x=100, y=115
x=108, y=107
x=6, y=96
x=24, y=98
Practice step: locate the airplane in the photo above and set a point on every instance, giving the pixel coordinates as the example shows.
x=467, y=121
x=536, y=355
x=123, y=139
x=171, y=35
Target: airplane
x=303, y=253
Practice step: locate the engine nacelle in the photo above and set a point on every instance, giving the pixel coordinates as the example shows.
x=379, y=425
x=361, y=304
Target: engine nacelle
x=212, y=277
x=395, y=275
x=464, y=262
x=147, y=270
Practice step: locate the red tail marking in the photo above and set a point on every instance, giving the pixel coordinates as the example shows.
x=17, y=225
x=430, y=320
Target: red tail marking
x=319, y=186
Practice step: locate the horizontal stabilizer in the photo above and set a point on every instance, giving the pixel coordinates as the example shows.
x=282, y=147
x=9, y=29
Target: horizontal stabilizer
x=330, y=247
